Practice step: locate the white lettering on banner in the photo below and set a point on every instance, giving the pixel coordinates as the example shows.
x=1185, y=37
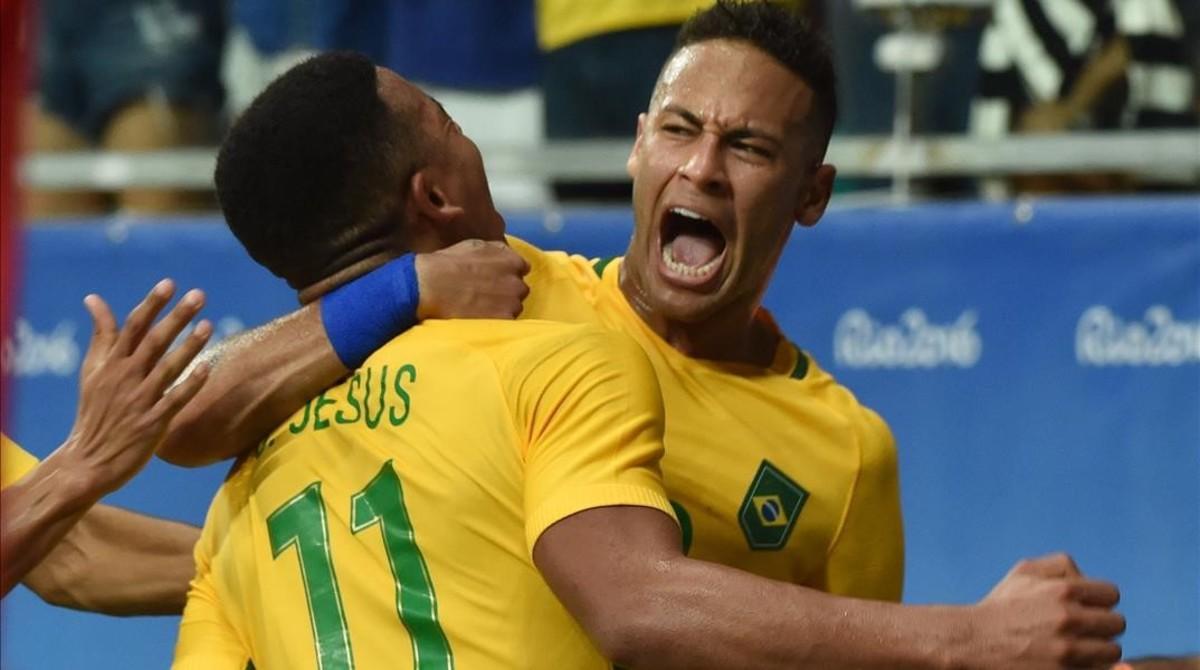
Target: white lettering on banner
x=860, y=341
x=31, y=353
x=1103, y=338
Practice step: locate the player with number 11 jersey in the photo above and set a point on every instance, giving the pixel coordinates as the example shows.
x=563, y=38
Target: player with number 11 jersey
x=390, y=522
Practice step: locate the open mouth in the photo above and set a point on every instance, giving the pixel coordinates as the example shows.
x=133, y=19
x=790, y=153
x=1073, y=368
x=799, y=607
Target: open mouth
x=692, y=246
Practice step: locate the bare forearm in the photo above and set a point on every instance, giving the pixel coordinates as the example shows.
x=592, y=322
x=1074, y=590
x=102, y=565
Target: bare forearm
x=118, y=562
x=618, y=570
x=38, y=511
x=703, y=615
x=258, y=379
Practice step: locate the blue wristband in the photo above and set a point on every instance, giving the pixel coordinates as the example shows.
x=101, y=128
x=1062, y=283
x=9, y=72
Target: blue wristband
x=363, y=315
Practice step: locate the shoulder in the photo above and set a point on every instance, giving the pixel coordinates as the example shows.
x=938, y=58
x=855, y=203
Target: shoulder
x=561, y=343
x=872, y=433
x=510, y=344
x=559, y=262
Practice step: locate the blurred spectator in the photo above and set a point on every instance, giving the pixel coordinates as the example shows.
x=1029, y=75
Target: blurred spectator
x=125, y=75
x=1057, y=65
x=268, y=37
x=866, y=92
x=477, y=45
x=601, y=60
x=480, y=60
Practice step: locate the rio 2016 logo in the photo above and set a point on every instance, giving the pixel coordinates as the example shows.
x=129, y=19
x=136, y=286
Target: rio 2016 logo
x=859, y=341
x=1103, y=339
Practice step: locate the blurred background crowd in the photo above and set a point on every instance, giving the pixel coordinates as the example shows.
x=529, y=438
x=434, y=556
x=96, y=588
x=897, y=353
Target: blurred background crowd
x=138, y=75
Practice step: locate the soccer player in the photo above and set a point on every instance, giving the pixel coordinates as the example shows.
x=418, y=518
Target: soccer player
x=64, y=546
x=774, y=467
x=425, y=497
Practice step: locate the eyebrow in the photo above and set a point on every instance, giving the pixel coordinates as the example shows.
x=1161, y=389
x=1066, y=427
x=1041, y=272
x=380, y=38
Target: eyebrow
x=736, y=133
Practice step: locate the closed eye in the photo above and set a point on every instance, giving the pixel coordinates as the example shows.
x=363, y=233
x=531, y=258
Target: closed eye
x=754, y=149
x=677, y=129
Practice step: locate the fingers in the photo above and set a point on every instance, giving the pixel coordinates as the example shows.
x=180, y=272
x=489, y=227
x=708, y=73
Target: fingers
x=1094, y=592
x=104, y=324
x=139, y=320
x=520, y=264
x=170, y=367
x=165, y=331
x=104, y=332
x=1052, y=565
x=1092, y=653
x=182, y=393
x=1095, y=622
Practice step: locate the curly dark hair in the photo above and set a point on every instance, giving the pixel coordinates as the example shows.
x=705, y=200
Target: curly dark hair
x=310, y=177
x=783, y=34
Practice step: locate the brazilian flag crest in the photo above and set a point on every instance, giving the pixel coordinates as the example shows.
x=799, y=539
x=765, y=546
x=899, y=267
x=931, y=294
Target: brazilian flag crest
x=770, y=508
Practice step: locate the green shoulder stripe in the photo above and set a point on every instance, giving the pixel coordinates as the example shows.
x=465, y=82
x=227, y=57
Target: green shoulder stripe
x=801, y=368
x=602, y=263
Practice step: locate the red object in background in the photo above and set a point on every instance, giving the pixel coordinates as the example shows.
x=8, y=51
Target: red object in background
x=14, y=47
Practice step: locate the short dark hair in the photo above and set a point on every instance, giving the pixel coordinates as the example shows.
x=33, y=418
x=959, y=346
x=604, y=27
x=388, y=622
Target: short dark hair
x=309, y=176
x=783, y=34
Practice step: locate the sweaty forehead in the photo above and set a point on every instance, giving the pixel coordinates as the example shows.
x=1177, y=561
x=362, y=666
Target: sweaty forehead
x=729, y=80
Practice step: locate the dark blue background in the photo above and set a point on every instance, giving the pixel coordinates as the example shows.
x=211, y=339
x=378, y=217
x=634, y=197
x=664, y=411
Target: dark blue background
x=1024, y=451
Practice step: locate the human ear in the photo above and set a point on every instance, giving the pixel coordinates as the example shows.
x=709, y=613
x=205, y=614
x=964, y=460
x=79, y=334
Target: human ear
x=813, y=200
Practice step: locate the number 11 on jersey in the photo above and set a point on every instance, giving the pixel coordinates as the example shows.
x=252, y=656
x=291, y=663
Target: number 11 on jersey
x=301, y=523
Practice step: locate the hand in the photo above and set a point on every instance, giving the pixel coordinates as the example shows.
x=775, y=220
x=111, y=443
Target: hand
x=124, y=401
x=1046, y=614
x=472, y=279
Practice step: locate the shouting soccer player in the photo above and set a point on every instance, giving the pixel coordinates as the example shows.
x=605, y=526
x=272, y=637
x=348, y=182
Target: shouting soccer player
x=773, y=467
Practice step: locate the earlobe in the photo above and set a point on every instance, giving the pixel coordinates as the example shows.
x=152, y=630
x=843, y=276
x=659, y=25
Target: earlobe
x=815, y=198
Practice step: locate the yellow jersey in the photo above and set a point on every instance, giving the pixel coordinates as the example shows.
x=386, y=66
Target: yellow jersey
x=390, y=523
x=778, y=471
x=562, y=22
x=15, y=462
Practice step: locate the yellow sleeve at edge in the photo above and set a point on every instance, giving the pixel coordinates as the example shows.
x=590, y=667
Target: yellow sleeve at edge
x=207, y=640
x=15, y=462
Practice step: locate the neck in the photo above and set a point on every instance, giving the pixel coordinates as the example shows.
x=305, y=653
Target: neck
x=731, y=335
x=345, y=275
x=370, y=256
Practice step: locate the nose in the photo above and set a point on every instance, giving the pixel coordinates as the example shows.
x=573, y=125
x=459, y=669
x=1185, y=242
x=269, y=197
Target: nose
x=705, y=166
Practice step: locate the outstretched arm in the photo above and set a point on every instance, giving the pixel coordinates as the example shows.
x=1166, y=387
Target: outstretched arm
x=620, y=572
x=261, y=376
x=120, y=563
x=124, y=410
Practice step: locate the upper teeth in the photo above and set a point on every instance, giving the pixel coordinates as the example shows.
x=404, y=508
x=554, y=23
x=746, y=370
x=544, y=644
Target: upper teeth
x=688, y=213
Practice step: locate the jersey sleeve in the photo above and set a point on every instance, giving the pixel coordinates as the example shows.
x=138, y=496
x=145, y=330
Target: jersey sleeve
x=867, y=557
x=592, y=416
x=15, y=462
x=207, y=639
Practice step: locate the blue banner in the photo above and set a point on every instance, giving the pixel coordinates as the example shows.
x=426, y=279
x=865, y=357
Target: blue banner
x=1039, y=364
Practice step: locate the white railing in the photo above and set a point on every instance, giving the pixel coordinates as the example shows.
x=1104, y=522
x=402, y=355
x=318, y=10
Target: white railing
x=1175, y=152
